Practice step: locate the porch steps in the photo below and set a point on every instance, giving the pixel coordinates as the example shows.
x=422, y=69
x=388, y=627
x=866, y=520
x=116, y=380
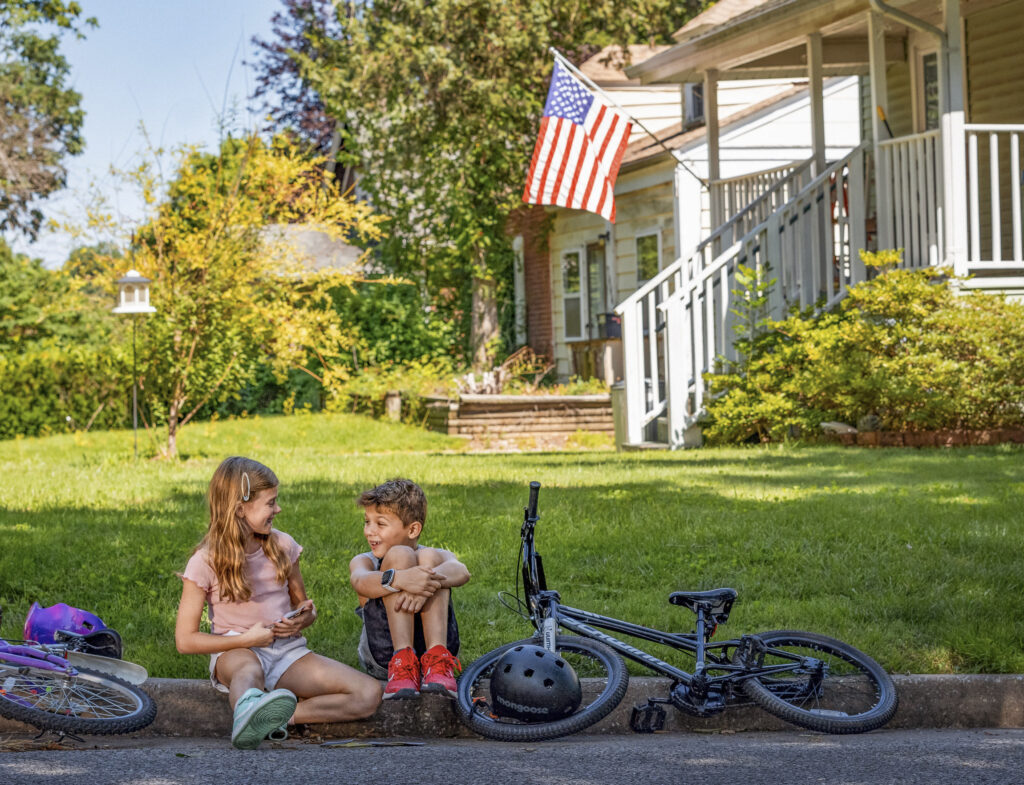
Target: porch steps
x=643, y=446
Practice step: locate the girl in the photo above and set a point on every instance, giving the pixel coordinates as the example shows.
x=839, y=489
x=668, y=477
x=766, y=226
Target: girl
x=248, y=574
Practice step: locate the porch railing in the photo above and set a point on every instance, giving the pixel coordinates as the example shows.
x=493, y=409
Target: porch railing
x=809, y=245
x=914, y=193
x=994, y=182
x=737, y=194
x=768, y=191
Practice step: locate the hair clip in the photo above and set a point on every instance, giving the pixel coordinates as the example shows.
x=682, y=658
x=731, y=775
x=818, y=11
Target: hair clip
x=246, y=487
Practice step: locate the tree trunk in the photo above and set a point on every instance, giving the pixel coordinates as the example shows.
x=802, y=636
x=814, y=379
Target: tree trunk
x=172, y=430
x=485, y=327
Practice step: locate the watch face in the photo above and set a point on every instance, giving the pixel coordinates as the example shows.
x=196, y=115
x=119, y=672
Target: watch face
x=386, y=577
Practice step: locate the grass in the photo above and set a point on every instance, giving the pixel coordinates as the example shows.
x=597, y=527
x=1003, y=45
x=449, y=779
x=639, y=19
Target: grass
x=913, y=556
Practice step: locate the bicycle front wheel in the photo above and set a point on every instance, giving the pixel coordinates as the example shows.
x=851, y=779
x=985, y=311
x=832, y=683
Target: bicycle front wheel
x=601, y=671
x=832, y=687
x=87, y=702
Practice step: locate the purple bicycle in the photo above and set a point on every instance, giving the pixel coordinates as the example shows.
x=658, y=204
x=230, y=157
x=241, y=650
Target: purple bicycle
x=43, y=685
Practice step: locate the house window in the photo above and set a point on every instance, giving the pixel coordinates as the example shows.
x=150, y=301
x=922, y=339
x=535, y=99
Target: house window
x=572, y=295
x=648, y=256
x=597, y=303
x=930, y=87
x=694, y=100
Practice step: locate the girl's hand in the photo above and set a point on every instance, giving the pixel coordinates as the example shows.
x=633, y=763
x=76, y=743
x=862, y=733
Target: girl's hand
x=288, y=628
x=257, y=635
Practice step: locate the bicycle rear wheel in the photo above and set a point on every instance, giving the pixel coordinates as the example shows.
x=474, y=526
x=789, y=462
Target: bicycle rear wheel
x=601, y=671
x=834, y=688
x=87, y=702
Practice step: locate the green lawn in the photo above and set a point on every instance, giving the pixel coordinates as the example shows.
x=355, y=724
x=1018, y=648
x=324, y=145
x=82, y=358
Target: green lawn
x=914, y=556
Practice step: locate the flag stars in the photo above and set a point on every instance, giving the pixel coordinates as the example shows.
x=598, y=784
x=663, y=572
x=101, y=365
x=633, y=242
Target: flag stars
x=568, y=98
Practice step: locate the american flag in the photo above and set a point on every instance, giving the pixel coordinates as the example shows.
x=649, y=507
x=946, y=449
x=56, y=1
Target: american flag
x=579, y=149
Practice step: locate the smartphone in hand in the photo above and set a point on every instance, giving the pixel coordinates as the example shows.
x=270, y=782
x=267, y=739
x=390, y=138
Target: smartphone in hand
x=292, y=614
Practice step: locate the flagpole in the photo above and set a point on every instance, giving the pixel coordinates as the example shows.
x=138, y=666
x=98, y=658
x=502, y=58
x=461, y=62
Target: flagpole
x=593, y=86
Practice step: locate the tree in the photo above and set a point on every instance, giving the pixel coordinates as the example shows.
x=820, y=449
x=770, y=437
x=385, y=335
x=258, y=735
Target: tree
x=439, y=103
x=41, y=117
x=38, y=305
x=281, y=90
x=231, y=290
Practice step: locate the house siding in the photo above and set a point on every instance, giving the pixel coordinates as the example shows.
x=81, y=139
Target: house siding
x=995, y=94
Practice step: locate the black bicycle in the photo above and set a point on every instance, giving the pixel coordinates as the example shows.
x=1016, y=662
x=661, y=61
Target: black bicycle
x=810, y=680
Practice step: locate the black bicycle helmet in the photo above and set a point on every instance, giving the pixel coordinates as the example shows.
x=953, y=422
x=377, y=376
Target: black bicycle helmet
x=532, y=684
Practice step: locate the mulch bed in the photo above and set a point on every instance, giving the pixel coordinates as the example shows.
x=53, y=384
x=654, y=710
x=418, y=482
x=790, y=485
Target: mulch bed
x=941, y=438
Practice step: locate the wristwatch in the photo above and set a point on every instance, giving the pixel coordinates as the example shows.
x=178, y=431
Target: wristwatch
x=387, y=578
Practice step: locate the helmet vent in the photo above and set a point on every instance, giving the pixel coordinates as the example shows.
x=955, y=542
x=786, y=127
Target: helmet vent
x=538, y=653
x=507, y=668
x=560, y=663
x=528, y=672
x=548, y=683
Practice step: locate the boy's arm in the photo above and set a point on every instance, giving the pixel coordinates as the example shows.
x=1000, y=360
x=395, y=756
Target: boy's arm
x=451, y=571
x=365, y=579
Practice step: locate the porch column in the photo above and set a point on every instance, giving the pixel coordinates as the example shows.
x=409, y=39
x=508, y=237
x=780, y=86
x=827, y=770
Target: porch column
x=879, y=98
x=816, y=88
x=711, y=134
x=952, y=96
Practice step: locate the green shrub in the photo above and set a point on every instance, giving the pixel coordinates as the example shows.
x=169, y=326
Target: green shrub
x=905, y=347
x=55, y=389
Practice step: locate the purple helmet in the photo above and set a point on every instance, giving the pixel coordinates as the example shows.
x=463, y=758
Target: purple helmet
x=42, y=623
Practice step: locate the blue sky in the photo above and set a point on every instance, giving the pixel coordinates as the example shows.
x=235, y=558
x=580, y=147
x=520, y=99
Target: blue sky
x=174, y=65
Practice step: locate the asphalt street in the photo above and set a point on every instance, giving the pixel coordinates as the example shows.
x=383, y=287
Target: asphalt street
x=928, y=757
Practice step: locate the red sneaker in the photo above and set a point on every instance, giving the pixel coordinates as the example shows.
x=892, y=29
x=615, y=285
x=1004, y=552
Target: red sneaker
x=403, y=675
x=439, y=666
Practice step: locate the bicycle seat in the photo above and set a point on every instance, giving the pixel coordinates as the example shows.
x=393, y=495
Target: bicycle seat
x=716, y=603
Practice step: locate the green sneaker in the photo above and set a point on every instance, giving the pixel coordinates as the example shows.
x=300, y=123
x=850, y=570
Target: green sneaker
x=258, y=713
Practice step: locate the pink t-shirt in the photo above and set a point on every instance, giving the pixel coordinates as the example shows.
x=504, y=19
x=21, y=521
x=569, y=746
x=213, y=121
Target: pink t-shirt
x=269, y=600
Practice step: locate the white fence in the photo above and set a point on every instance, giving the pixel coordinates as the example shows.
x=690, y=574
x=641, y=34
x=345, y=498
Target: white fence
x=914, y=193
x=994, y=195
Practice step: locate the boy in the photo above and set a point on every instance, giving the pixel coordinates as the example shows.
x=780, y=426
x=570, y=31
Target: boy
x=404, y=593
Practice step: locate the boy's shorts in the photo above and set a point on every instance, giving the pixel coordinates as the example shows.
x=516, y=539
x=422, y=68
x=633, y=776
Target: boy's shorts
x=375, y=649
x=276, y=658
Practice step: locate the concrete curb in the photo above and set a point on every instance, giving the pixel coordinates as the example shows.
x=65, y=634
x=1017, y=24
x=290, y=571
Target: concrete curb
x=187, y=707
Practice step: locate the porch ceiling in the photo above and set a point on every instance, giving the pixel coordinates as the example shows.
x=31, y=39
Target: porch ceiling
x=769, y=41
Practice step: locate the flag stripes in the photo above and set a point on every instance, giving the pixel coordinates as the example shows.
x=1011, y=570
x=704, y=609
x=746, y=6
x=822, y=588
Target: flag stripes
x=579, y=149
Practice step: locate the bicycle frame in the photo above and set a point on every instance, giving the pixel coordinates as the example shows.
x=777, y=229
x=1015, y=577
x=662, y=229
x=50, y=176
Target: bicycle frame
x=32, y=657
x=547, y=612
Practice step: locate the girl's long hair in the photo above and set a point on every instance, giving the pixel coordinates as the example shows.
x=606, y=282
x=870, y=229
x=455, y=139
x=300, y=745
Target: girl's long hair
x=225, y=539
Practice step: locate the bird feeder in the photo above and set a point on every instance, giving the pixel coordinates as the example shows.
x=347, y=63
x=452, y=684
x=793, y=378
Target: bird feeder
x=133, y=294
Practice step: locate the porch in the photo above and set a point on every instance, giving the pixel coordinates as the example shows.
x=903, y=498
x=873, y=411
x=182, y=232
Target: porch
x=948, y=192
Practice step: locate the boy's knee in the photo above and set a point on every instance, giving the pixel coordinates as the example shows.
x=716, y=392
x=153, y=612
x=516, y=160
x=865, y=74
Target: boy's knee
x=428, y=557
x=398, y=558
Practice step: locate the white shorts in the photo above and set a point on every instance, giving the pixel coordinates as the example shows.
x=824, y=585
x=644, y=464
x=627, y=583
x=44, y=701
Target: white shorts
x=275, y=659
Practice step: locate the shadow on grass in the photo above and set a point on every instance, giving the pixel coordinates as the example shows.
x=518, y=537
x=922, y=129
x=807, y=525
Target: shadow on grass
x=912, y=562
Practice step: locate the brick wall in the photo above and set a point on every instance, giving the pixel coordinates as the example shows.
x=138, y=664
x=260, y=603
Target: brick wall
x=531, y=223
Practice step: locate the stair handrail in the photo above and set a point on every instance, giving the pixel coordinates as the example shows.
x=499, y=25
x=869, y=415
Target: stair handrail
x=716, y=264
x=798, y=168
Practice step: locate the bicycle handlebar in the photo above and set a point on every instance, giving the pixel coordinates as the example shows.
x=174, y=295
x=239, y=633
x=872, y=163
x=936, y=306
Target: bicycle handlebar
x=531, y=509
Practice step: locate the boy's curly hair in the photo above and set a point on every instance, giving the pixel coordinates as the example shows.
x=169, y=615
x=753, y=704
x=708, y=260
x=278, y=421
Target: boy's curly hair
x=403, y=498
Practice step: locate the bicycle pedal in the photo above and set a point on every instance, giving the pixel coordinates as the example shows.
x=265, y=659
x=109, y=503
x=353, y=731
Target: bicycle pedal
x=647, y=718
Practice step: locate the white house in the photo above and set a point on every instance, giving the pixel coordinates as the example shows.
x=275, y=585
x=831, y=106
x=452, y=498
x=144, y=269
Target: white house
x=668, y=202
x=938, y=175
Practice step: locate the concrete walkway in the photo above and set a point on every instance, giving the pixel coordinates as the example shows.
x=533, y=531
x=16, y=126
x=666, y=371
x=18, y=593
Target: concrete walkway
x=188, y=707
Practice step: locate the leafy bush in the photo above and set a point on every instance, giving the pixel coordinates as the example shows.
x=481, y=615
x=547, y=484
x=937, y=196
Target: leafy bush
x=56, y=389
x=906, y=347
